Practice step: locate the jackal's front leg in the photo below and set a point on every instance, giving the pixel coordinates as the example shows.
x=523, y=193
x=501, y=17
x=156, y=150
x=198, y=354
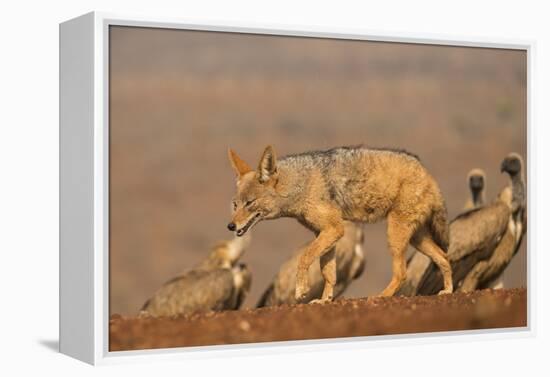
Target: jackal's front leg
x=328, y=270
x=321, y=245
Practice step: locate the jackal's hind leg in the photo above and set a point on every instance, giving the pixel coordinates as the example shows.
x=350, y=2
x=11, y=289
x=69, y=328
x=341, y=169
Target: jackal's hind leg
x=399, y=235
x=426, y=245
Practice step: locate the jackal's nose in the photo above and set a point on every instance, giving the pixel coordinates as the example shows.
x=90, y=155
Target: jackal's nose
x=231, y=226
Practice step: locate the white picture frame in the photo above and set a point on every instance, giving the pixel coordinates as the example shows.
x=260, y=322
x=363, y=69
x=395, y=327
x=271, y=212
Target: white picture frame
x=84, y=199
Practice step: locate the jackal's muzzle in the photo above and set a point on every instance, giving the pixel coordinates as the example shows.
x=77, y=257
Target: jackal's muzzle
x=242, y=230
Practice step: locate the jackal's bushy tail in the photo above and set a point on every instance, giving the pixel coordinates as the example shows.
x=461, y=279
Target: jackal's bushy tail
x=439, y=227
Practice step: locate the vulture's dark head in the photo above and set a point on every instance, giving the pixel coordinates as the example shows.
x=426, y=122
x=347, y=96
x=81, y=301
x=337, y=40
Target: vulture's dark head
x=476, y=180
x=512, y=164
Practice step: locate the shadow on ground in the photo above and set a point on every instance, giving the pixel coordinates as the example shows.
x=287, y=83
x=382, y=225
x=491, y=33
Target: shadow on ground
x=51, y=344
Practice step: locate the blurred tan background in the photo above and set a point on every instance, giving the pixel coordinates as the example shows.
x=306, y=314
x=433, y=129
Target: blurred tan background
x=178, y=99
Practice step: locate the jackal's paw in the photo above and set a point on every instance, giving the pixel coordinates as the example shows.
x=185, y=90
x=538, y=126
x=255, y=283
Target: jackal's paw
x=445, y=292
x=321, y=300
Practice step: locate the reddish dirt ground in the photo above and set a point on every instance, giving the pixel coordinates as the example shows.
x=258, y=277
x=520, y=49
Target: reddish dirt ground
x=342, y=318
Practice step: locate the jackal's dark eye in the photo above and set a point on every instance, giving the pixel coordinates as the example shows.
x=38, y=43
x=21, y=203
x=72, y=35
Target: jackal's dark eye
x=234, y=205
x=249, y=202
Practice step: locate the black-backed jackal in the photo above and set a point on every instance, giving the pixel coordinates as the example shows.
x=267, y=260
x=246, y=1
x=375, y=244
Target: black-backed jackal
x=323, y=189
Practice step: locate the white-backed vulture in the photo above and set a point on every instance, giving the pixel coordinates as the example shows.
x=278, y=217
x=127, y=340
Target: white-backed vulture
x=217, y=283
x=473, y=237
x=477, y=235
x=350, y=261
x=486, y=272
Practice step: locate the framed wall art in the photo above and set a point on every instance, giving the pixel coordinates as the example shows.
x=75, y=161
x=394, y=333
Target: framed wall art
x=249, y=189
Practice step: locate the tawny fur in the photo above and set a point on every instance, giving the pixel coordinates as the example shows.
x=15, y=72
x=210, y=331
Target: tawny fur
x=325, y=188
x=418, y=264
x=350, y=262
x=217, y=283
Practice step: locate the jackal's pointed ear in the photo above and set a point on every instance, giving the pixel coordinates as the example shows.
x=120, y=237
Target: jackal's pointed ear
x=268, y=165
x=238, y=165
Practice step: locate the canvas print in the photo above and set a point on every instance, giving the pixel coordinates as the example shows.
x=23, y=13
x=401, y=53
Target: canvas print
x=268, y=188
